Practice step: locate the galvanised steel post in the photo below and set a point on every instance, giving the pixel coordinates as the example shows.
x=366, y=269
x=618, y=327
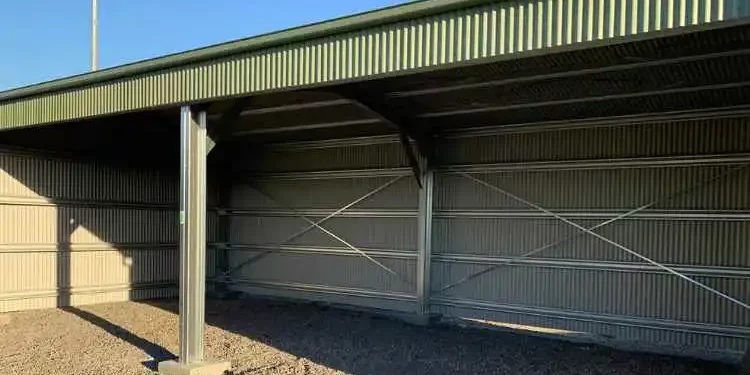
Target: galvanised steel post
x=424, y=238
x=192, y=234
x=193, y=155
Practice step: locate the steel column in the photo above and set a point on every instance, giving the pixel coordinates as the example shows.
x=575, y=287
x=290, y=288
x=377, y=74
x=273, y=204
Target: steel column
x=192, y=234
x=424, y=246
x=193, y=155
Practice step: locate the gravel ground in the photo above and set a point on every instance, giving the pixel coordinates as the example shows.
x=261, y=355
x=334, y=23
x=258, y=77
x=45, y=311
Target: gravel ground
x=261, y=337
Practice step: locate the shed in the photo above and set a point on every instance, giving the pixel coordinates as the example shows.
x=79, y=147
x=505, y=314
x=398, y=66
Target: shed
x=572, y=164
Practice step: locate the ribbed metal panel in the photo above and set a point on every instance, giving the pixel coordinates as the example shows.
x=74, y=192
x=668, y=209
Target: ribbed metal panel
x=500, y=28
x=388, y=233
x=315, y=265
x=705, y=136
x=35, y=225
x=586, y=284
x=651, y=337
x=29, y=176
x=635, y=294
x=331, y=158
x=346, y=271
x=602, y=189
x=326, y=193
x=698, y=243
x=77, y=233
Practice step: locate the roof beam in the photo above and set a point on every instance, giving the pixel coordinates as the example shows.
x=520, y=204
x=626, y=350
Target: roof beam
x=304, y=127
x=568, y=74
x=588, y=99
x=406, y=127
x=227, y=121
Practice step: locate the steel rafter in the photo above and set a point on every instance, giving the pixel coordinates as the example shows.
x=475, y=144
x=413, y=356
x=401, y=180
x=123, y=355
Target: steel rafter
x=407, y=128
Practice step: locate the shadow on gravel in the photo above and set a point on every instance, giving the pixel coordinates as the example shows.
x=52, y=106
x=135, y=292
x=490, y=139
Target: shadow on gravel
x=361, y=343
x=153, y=350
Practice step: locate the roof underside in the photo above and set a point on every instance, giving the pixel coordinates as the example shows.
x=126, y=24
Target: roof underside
x=485, y=63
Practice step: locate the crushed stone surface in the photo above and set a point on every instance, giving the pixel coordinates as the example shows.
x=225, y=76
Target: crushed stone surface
x=263, y=337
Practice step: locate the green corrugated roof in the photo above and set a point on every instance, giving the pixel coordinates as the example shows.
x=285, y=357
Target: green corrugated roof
x=397, y=40
x=315, y=30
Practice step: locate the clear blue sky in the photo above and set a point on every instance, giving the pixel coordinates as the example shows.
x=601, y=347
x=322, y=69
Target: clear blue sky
x=42, y=40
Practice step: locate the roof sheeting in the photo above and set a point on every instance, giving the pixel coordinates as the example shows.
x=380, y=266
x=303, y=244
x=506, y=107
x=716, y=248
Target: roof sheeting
x=415, y=37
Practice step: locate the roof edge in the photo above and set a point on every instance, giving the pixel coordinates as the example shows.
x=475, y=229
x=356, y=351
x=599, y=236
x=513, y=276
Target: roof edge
x=314, y=30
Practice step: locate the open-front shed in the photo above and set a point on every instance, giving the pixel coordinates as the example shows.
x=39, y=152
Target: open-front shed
x=579, y=165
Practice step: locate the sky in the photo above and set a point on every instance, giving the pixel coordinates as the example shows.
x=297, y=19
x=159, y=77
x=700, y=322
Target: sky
x=41, y=40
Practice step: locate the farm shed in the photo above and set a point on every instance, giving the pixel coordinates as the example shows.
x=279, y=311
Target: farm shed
x=571, y=164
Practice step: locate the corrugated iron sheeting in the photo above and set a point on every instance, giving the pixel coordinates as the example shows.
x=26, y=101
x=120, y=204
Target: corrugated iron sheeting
x=653, y=337
x=698, y=243
x=315, y=265
x=386, y=233
x=326, y=193
x=500, y=28
x=602, y=189
x=582, y=284
x=332, y=158
x=727, y=135
x=76, y=232
x=646, y=295
x=712, y=70
x=350, y=271
x=705, y=97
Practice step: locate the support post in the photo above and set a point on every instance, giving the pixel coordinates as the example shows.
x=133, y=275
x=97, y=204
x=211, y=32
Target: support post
x=192, y=218
x=424, y=246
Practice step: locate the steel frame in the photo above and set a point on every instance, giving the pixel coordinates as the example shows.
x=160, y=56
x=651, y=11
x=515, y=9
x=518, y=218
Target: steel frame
x=590, y=231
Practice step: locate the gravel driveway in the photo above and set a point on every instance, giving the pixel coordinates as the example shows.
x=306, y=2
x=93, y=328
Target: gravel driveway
x=261, y=337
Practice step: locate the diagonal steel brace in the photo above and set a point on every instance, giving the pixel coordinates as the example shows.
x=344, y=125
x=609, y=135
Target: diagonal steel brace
x=613, y=243
x=600, y=225
x=312, y=224
x=336, y=237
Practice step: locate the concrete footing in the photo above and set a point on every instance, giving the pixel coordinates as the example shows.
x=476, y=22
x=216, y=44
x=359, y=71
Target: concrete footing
x=417, y=319
x=199, y=368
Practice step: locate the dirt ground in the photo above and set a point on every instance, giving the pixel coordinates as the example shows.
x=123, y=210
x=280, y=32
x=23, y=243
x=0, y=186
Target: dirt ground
x=261, y=337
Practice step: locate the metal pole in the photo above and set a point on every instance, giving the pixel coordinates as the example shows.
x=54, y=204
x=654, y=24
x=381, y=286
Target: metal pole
x=192, y=234
x=94, y=35
x=424, y=246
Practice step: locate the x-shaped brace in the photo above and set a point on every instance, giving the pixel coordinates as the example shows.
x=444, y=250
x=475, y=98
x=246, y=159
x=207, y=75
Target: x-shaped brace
x=591, y=232
x=317, y=224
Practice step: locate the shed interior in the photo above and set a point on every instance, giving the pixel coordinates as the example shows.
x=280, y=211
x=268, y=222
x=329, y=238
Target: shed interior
x=658, y=126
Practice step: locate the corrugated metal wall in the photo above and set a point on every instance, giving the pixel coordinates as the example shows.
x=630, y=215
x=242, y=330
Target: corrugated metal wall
x=76, y=232
x=585, y=284
x=583, y=287
x=479, y=32
x=282, y=182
